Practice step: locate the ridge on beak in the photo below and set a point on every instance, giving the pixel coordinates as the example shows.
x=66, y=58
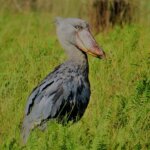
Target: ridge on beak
x=86, y=42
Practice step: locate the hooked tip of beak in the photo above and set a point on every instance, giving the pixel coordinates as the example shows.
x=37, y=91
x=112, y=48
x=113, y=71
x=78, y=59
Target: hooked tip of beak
x=99, y=53
x=102, y=56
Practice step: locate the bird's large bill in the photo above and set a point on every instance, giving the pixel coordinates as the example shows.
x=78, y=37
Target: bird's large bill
x=86, y=42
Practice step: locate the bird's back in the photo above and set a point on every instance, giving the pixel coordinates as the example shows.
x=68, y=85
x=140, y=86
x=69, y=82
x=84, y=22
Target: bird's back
x=64, y=94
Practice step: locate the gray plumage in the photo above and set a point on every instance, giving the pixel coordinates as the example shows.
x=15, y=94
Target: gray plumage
x=64, y=94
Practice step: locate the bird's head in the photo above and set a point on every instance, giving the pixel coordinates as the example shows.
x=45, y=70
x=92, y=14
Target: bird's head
x=76, y=32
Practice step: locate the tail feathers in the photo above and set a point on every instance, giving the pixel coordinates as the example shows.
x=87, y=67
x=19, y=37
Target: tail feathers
x=26, y=128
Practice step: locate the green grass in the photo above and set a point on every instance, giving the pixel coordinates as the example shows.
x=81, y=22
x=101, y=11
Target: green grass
x=118, y=115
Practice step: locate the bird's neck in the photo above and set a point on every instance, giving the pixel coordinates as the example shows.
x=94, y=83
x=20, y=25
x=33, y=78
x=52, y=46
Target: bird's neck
x=78, y=58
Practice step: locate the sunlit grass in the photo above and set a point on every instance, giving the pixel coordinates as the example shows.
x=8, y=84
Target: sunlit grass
x=118, y=115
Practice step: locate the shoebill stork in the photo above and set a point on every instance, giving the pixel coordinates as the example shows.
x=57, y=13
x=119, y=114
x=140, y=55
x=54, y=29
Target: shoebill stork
x=64, y=94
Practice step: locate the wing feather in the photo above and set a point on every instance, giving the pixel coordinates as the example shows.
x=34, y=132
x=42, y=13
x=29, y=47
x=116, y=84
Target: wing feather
x=36, y=95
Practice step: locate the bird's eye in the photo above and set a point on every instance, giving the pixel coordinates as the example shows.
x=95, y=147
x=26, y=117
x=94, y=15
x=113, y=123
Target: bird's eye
x=78, y=27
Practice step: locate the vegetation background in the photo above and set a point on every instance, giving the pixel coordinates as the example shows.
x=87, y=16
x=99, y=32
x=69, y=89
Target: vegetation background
x=118, y=115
